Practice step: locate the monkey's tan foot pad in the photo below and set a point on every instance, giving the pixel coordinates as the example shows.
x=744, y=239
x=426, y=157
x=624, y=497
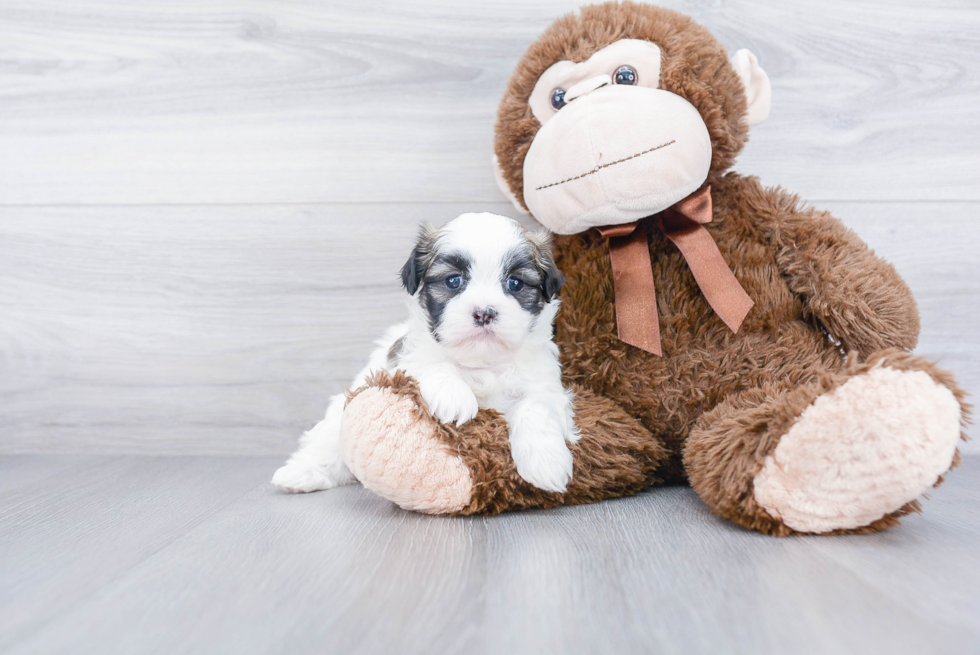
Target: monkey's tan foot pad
x=861, y=451
x=390, y=445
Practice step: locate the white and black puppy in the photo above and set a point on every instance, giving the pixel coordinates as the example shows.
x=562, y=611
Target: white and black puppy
x=479, y=334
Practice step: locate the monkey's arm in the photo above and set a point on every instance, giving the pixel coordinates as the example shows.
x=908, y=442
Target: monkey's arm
x=397, y=449
x=858, y=297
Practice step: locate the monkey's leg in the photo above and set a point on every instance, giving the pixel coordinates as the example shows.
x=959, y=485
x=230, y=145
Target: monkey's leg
x=399, y=451
x=849, y=453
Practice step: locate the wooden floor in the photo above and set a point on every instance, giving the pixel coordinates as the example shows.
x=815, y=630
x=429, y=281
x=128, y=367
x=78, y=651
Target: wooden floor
x=139, y=554
x=203, y=207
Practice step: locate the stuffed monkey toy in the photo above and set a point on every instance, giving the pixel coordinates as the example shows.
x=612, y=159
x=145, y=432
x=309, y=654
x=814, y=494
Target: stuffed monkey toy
x=712, y=329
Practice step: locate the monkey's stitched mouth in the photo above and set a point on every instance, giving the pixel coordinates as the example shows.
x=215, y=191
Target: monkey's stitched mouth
x=599, y=167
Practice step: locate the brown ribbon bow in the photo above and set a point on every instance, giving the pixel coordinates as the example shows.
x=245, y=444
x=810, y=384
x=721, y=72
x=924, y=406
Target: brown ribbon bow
x=636, y=300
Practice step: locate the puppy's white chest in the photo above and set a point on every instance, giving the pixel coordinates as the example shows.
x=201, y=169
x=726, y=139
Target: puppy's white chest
x=491, y=388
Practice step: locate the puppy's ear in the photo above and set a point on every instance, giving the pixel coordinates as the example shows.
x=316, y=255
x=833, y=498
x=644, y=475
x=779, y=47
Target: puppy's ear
x=552, y=278
x=413, y=272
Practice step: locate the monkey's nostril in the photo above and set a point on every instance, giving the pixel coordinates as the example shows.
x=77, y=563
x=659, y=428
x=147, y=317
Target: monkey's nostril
x=586, y=86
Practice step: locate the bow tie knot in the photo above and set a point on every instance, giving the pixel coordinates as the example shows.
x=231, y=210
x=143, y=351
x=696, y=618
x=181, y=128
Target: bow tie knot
x=636, y=301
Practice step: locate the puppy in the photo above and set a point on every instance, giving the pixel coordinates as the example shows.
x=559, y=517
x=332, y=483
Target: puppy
x=478, y=334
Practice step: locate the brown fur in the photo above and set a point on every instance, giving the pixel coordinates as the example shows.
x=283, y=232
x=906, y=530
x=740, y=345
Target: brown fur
x=716, y=403
x=783, y=336
x=728, y=446
x=604, y=468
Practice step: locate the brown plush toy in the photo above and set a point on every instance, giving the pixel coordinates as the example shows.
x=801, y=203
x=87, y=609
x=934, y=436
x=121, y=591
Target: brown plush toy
x=712, y=329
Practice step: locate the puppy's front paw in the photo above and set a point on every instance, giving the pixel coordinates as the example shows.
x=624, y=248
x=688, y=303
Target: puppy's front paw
x=537, y=444
x=545, y=464
x=449, y=400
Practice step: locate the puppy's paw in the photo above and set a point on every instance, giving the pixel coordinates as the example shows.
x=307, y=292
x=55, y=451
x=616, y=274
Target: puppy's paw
x=298, y=477
x=449, y=400
x=547, y=464
x=537, y=444
x=571, y=432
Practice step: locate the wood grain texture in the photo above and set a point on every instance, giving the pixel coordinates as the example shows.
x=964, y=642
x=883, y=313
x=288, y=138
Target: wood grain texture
x=203, y=209
x=238, y=321
x=90, y=519
x=198, y=330
x=347, y=572
x=265, y=101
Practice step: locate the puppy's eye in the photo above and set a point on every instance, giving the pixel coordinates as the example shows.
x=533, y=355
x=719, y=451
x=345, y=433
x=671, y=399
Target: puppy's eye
x=514, y=285
x=558, y=98
x=453, y=281
x=625, y=75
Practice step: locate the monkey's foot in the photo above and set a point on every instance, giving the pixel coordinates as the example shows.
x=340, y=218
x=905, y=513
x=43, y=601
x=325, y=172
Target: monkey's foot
x=865, y=449
x=391, y=445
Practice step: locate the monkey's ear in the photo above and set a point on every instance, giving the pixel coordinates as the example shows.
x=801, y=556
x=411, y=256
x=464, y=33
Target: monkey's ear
x=758, y=90
x=505, y=188
x=414, y=270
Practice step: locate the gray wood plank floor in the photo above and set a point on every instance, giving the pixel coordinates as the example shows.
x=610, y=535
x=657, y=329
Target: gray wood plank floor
x=140, y=554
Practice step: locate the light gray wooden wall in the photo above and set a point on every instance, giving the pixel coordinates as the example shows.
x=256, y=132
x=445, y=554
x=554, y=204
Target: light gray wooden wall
x=204, y=203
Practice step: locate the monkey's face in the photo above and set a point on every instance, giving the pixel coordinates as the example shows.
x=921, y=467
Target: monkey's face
x=627, y=129
x=612, y=147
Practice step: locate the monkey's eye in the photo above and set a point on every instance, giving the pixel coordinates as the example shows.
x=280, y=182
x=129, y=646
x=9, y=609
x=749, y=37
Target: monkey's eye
x=454, y=281
x=558, y=98
x=625, y=75
x=514, y=285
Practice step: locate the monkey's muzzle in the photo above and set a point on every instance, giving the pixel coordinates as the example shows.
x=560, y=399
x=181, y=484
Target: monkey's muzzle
x=613, y=156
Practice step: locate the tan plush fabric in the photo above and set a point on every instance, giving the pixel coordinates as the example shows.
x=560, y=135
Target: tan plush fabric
x=389, y=445
x=615, y=455
x=861, y=451
x=758, y=89
x=615, y=186
x=728, y=447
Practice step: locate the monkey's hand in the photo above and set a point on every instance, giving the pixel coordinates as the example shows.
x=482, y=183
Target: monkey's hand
x=859, y=298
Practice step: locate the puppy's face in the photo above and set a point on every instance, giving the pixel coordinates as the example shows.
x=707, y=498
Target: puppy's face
x=482, y=281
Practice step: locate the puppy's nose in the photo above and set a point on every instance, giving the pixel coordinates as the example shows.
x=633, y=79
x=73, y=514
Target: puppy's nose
x=484, y=316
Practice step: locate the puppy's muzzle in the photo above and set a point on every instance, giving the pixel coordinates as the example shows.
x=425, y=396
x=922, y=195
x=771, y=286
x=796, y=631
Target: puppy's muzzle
x=484, y=317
